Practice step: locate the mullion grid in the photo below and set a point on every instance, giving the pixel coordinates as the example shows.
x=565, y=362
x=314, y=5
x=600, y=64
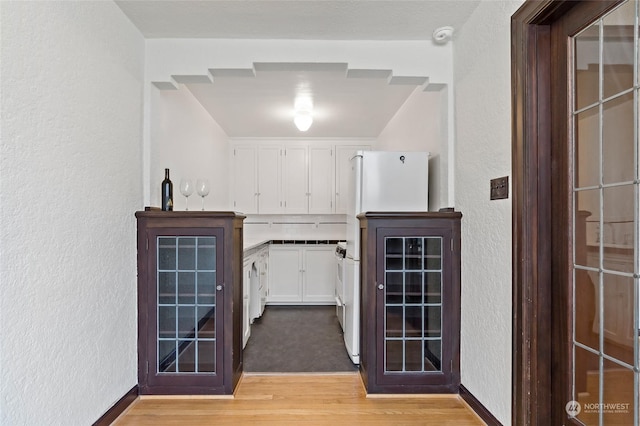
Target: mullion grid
x=636, y=245
x=423, y=304
x=177, y=304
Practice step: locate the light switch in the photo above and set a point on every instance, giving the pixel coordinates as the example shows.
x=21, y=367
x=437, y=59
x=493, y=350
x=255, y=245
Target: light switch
x=500, y=188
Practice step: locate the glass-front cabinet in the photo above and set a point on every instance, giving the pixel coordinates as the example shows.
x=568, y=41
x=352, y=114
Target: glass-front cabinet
x=188, y=280
x=411, y=301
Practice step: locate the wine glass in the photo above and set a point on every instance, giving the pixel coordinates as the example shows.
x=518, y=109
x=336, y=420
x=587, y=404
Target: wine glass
x=202, y=186
x=186, y=189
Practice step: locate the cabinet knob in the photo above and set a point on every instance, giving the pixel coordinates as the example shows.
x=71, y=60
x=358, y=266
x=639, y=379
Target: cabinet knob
x=218, y=287
x=380, y=286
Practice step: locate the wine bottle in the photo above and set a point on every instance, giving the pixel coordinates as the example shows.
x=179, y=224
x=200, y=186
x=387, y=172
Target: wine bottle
x=167, y=192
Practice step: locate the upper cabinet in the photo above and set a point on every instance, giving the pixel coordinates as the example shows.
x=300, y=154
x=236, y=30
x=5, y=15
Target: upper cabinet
x=321, y=179
x=293, y=178
x=245, y=179
x=269, y=185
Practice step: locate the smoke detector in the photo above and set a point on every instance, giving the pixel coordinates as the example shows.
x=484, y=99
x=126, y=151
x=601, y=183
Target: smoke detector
x=442, y=35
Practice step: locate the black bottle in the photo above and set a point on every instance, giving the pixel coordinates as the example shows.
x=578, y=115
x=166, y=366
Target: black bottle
x=167, y=192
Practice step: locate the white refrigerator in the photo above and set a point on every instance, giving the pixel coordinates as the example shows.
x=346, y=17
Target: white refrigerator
x=380, y=181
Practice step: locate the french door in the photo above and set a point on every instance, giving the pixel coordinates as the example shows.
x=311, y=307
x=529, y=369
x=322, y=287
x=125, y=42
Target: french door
x=576, y=226
x=603, y=290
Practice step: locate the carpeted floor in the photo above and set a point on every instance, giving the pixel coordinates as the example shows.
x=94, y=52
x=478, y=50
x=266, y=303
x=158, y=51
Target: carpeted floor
x=289, y=339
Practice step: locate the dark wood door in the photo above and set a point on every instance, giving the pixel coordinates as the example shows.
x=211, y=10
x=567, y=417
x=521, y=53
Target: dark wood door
x=185, y=309
x=574, y=189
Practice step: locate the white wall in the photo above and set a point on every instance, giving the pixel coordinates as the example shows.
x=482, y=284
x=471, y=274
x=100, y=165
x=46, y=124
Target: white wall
x=70, y=184
x=185, y=139
x=483, y=151
x=417, y=127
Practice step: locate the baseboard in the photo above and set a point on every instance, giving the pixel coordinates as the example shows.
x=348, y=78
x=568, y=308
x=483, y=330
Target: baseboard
x=118, y=408
x=479, y=409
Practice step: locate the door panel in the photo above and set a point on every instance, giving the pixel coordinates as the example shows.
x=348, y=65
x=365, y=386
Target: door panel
x=269, y=182
x=556, y=275
x=603, y=290
x=187, y=343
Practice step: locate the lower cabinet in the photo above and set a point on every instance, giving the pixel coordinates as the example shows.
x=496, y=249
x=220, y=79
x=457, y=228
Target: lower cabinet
x=301, y=274
x=410, y=290
x=189, y=291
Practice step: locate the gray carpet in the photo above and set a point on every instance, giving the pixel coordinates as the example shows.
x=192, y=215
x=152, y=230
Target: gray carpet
x=303, y=339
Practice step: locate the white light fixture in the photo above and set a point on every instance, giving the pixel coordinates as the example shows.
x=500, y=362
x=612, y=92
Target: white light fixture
x=302, y=116
x=303, y=120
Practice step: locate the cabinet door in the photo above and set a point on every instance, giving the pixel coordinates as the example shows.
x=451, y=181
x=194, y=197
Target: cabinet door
x=413, y=308
x=319, y=274
x=185, y=308
x=245, y=193
x=343, y=169
x=295, y=180
x=321, y=179
x=284, y=275
x=269, y=180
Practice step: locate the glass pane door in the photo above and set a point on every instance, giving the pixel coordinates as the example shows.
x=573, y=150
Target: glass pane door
x=412, y=304
x=186, y=303
x=605, y=205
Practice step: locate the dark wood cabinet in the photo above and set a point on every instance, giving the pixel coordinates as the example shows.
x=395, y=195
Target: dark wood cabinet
x=410, y=289
x=189, y=302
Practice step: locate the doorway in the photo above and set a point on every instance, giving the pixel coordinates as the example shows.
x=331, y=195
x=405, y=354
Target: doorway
x=297, y=339
x=575, y=166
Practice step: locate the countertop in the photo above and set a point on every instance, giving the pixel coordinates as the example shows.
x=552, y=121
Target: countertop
x=252, y=244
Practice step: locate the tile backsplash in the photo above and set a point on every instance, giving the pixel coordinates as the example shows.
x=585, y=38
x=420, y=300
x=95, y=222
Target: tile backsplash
x=299, y=227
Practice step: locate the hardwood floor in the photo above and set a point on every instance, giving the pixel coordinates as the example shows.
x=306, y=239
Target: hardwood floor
x=301, y=399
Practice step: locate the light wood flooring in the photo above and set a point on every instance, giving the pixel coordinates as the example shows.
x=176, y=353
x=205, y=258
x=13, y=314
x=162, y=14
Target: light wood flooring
x=301, y=399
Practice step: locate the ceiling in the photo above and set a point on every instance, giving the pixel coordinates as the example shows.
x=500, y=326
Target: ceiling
x=260, y=104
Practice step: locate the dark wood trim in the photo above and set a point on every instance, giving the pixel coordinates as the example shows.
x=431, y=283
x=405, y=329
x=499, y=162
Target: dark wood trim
x=118, y=408
x=477, y=406
x=540, y=158
x=529, y=50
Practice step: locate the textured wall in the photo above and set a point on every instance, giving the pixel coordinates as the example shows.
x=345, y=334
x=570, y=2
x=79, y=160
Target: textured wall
x=185, y=139
x=483, y=151
x=70, y=182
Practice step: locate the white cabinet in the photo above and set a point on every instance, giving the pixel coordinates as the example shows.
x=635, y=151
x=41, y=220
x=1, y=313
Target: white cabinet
x=269, y=179
x=321, y=179
x=244, y=191
x=617, y=298
x=301, y=274
x=343, y=170
x=295, y=180
x=285, y=273
x=319, y=278
x=256, y=186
